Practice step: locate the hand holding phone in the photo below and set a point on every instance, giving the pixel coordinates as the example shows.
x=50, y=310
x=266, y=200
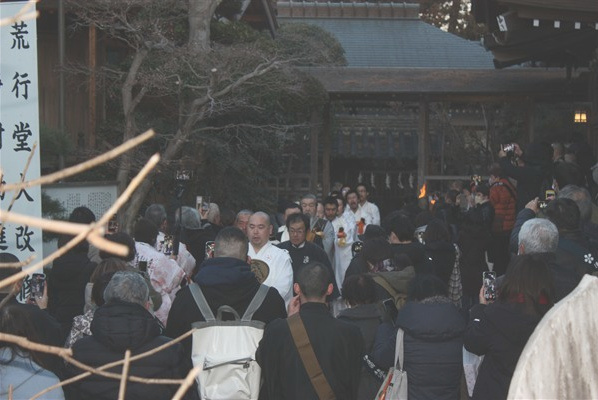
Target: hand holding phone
x=489, y=293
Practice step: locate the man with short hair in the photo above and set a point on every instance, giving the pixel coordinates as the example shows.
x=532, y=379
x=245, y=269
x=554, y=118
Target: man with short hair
x=283, y=233
x=225, y=279
x=124, y=323
x=242, y=220
x=157, y=214
x=368, y=210
x=402, y=240
x=540, y=235
x=322, y=232
x=280, y=273
x=338, y=345
x=581, y=197
x=301, y=251
x=352, y=199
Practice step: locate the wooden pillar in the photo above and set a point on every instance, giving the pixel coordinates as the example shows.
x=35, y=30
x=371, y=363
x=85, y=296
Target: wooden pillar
x=315, y=126
x=529, y=119
x=327, y=150
x=92, y=62
x=422, y=143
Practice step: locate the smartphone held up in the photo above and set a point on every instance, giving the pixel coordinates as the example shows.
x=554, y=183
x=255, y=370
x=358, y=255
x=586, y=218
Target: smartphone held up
x=489, y=285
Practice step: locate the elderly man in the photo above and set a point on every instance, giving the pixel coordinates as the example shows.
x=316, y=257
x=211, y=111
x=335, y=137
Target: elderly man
x=321, y=231
x=539, y=235
x=124, y=323
x=243, y=219
x=280, y=273
x=157, y=214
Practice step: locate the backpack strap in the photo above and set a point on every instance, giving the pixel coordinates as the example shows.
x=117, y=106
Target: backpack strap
x=309, y=359
x=256, y=303
x=201, y=302
x=385, y=285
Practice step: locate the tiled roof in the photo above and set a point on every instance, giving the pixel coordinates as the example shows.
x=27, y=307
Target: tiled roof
x=409, y=43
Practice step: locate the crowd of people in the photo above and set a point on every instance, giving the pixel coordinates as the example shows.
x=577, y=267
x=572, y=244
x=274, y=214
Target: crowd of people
x=327, y=283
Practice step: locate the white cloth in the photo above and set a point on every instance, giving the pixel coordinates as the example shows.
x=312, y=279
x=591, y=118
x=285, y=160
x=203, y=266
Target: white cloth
x=285, y=234
x=559, y=359
x=327, y=238
x=342, y=254
x=185, y=260
x=165, y=275
x=281, y=270
x=370, y=212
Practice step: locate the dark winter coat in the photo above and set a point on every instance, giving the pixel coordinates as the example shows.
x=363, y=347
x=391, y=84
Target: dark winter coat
x=474, y=242
x=439, y=260
x=66, y=287
x=223, y=281
x=368, y=318
x=116, y=327
x=499, y=331
x=433, y=343
x=529, y=179
x=338, y=346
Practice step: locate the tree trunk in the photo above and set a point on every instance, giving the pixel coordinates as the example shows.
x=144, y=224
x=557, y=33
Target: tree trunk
x=200, y=15
x=454, y=14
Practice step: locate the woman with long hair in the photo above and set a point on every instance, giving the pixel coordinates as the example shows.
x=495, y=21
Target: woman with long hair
x=500, y=330
x=23, y=371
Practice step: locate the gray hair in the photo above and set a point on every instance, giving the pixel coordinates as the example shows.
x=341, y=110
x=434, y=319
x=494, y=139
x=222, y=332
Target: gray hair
x=539, y=235
x=127, y=286
x=310, y=196
x=190, y=218
x=243, y=212
x=581, y=197
x=213, y=215
x=231, y=242
x=156, y=213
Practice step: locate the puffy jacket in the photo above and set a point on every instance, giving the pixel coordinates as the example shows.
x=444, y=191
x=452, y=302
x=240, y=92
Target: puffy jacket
x=499, y=331
x=119, y=326
x=504, y=200
x=433, y=345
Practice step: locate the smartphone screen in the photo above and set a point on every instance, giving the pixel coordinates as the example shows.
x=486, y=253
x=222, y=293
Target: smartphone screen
x=210, y=245
x=391, y=309
x=489, y=282
x=38, y=281
x=142, y=266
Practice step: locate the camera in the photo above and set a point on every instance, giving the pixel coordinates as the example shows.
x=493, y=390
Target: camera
x=509, y=149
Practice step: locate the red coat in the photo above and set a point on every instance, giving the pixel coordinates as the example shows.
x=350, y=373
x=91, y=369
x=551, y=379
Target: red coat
x=503, y=197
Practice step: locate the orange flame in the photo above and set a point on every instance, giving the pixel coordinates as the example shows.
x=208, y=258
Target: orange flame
x=422, y=192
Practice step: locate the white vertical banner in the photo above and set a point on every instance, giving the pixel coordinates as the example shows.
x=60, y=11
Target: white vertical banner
x=19, y=129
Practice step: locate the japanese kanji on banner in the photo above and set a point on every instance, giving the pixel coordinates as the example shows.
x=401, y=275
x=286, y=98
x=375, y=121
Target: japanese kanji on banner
x=19, y=130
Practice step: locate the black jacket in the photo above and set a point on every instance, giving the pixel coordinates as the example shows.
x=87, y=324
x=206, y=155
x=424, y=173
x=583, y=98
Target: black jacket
x=116, y=327
x=529, y=180
x=439, y=260
x=474, y=241
x=433, y=343
x=338, y=347
x=307, y=253
x=499, y=331
x=66, y=287
x=367, y=317
x=223, y=281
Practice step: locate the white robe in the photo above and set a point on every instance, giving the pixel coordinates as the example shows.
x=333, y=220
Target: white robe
x=165, y=275
x=370, y=212
x=281, y=270
x=342, y=254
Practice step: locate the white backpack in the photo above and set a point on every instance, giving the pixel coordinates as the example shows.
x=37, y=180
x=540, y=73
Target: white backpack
x=226, y=350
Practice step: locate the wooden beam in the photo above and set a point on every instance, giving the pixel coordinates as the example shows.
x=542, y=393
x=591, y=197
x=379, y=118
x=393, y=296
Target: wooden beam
x=92, y=62
x=422, y=143
x=316, y=125
x=326, y=151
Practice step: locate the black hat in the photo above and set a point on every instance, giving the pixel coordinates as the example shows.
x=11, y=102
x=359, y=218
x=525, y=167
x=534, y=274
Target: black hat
x=371, y=232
